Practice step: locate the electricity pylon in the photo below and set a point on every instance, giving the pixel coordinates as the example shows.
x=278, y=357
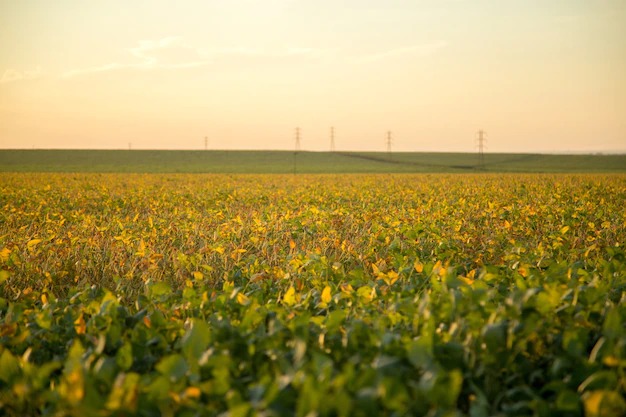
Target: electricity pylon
x=297, y=139
x=482, y=140
x=295, y=154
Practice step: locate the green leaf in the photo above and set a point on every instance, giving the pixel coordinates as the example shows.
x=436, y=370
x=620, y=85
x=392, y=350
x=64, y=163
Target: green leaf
x=158, y=289
x=173, y=366
x=494, y=336
x=240, y=410
x=613, y=327
x=159, y=388
x=9, y=366
x=442, y=388
x=196, y=340
x=335, y=319
x=124, y=391
x=105, y=369
x=420, y=353
x=124, y=356
x=44, y=319
x=568, y=401
x=574, y=342
x=599, y=380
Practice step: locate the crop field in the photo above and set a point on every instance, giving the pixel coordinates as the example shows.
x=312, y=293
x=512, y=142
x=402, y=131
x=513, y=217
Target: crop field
x=287, y=162
x=312, y=295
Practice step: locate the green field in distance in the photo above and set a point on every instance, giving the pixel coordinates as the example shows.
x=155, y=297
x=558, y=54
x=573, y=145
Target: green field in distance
x=155, y=161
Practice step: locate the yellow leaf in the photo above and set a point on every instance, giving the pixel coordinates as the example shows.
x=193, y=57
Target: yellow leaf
x=438, y=269
x=192, y=392
x=4, y=254
x=610, y=361
x=290, y=296
x=523, y=271
x=44, y=299
x=74, y=390
x=419, y=267
x=346, y=288
x=507, y=225
x=366, y=293
x=292, y=244
x=601, y=403
x=147, y=321
x=592, y=403
x=564, y=229
x=141, y=248
x=392, y=277
x=197, y=275
x=326, y=296
x=32, y=243
x=242, y=299
x=466, y=280
x=79, y=325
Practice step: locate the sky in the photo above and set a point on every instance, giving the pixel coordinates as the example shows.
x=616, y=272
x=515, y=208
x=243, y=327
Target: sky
x=535, y=75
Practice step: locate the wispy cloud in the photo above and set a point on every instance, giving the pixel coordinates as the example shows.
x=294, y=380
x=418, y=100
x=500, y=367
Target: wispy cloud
x=145, y=48
x=12, y=75
x=170, y=53
x=94, y=70
x=165, y=54
x=421, y=50
x=256, y=52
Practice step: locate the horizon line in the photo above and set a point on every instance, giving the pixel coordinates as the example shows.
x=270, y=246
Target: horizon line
x=582, y=153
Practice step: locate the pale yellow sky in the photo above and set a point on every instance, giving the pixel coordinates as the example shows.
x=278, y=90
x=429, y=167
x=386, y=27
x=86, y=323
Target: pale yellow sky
x=538, y=76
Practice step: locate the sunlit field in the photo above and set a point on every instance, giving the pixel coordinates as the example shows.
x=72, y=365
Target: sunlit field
x=328, y=295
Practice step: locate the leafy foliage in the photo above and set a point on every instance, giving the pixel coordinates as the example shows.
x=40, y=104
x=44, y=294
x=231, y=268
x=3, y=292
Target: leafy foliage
x=278, y=295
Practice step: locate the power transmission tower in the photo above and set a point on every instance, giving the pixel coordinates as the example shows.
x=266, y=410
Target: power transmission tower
x=129, y=146
x=388, y=141
x=332, y=139
x=206, y=143
x=297, y=139
x=295, y=154
x=482, y=139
